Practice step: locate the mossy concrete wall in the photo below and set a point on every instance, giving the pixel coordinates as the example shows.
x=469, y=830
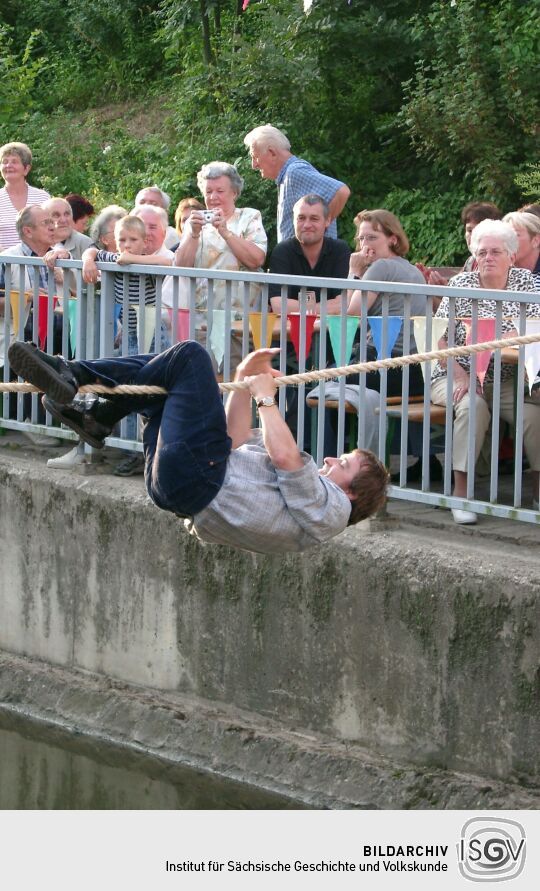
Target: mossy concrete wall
x=422, y=650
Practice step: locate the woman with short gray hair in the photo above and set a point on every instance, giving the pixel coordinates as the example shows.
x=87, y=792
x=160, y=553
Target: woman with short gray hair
x=494, y=229
x=222, y=237
x=220, y=168
x=102, y=229
x=494, y=245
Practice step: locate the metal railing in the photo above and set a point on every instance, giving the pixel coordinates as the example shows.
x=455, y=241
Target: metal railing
x=240, y=303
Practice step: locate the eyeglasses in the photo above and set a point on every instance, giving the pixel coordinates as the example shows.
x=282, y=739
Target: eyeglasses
x=495, y=252
x=369, y=238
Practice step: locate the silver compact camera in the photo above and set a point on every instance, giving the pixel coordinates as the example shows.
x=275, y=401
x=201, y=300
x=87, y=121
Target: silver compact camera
x=208, y=216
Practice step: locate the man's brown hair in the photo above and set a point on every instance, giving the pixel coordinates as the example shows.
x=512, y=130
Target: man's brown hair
x=476, y=211
x=369, y=486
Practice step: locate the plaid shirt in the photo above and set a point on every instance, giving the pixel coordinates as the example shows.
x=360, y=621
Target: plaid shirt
x=296, y=179
x=270, y=511
x=30, y=271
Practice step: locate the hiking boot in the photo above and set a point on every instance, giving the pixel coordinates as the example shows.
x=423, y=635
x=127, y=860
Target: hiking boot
x=80, y=419
x=133, y=465
x=51, y=374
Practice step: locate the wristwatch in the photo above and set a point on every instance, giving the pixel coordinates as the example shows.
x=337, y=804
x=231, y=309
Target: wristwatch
x=265, y=401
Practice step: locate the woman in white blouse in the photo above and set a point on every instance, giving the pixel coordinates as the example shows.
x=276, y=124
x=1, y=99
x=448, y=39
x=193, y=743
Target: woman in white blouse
x=222, y=237
x=15, y=165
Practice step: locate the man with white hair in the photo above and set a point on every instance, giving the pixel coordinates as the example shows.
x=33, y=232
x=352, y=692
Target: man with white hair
x=66, y=238
x=270, y=153
x=156, y=197
x=156, y=222
x=65, y=234
x=35, y=229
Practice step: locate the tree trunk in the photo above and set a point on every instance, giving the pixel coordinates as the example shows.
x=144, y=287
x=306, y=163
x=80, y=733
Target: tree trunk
x=208, y=56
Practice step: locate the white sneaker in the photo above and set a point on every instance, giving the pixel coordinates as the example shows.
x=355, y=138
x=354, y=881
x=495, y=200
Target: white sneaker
x=70, y=459
x=463, y=517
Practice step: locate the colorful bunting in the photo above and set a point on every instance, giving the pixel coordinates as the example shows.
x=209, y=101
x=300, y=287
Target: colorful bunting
x=485, y=331
x=43, y=318
x=14, y=303
x=532, y=351
x=333, y=324
x=294, y=333
x=149, y=327
x=217, y=335
x=393, y=327
x=73, y=312
x=438, y=328
x=182, y=324
x=117, y=311
x=255, y=323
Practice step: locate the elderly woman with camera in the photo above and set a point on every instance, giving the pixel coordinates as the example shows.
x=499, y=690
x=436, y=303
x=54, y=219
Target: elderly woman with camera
x=494, y=245
x=222, y=237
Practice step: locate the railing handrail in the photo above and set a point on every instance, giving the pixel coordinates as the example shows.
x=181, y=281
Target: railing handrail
x=266, y=278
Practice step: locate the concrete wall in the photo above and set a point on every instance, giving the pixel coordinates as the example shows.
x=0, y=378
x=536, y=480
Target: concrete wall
x=422, y=651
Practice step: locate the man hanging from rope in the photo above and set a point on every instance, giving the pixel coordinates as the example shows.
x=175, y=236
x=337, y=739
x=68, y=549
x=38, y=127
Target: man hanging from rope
x=252, y=490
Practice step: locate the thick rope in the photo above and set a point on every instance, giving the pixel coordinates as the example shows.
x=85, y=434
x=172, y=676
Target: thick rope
x=322, y=374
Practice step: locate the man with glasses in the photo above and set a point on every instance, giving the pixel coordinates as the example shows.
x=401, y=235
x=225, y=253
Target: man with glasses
x=36, y=231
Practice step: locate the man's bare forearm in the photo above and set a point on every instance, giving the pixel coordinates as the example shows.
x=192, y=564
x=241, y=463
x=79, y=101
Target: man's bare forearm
x=339, y=201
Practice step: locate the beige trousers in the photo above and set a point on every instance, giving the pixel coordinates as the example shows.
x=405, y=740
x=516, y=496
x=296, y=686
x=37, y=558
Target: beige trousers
x=531, y=420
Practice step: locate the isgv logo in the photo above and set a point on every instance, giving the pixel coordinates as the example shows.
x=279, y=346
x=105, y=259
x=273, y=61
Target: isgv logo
x=491, y=849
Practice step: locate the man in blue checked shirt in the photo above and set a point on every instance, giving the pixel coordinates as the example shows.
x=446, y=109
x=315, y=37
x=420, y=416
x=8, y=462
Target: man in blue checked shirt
x=270, y=153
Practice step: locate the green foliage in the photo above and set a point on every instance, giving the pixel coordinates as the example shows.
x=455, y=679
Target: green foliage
x=95, y=50
x=418, y=105
x=18, y=74
x=431, y=219
x=472, y=104
x=529, y=182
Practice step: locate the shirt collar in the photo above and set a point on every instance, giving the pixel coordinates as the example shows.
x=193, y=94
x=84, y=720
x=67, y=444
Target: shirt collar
x=282, y=172
x=27, y=250
x=299, y=250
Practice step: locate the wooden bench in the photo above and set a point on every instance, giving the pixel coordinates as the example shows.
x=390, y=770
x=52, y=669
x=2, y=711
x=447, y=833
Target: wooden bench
x=394, y=413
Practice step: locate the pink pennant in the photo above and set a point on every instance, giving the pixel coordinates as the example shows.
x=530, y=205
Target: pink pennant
x=182, y=316
x=485, y=331
x=43, y=318
x=294, y=321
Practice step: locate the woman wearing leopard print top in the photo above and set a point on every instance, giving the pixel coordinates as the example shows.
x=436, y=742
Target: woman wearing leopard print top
x=494, y=246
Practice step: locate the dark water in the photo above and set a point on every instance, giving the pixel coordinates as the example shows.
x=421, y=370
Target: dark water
x=46, y=769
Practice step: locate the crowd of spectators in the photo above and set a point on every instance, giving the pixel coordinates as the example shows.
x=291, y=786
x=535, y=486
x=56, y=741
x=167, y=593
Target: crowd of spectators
x=216, y=234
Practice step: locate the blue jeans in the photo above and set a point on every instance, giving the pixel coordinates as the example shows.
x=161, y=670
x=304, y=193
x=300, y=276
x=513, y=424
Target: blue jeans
x=185, y=440
x=131, y=426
